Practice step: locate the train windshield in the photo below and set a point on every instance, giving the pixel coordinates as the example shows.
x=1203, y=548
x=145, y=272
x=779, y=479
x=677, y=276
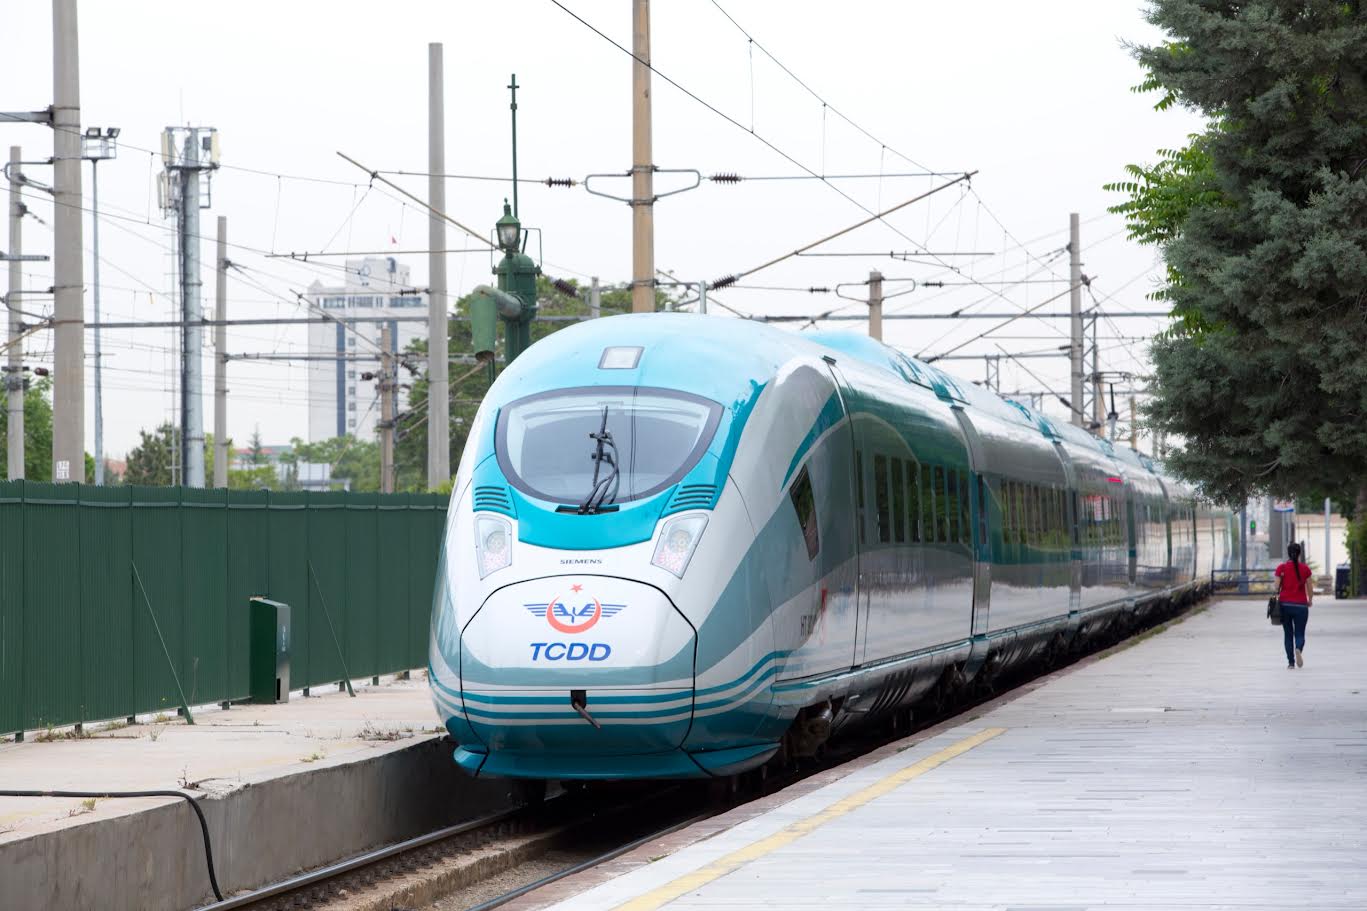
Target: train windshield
x=603, y=444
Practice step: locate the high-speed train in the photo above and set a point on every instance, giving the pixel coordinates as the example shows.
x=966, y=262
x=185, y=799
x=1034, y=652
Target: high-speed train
x=679, y=545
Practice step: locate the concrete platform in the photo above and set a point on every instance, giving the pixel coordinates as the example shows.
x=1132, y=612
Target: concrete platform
x=285, y=788
x=1190, y=769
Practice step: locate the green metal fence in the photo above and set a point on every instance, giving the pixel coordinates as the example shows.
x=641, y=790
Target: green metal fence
x=79, y=639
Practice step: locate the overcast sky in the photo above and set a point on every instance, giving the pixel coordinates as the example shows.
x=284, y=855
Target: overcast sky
x=1034, y=96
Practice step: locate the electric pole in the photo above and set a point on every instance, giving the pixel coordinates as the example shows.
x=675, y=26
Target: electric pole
x=876, y=305
x=642, y=168
x=183, y=151
x=1134, y=425
x=1098, y=397
x=386, y=410
x=221, y=356
x=595, y=299
x=1075, y=310
x=97, y=145
x=438, y=386
x=14, y=375
x=68, y=308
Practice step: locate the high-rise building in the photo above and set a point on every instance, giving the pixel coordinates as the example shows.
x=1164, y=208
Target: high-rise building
x=376, y=292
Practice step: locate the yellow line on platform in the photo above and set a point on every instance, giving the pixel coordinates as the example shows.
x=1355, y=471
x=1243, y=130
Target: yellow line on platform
x=662, y=895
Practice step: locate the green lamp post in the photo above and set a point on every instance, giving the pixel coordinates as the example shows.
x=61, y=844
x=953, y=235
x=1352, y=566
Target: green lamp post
x=516, y=276
x=514, y=300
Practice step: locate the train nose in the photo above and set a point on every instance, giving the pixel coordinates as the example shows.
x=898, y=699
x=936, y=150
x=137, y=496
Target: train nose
x=576, y=666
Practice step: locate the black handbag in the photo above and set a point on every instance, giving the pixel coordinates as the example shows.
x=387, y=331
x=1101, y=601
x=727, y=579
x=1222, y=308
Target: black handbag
x=1274, y=611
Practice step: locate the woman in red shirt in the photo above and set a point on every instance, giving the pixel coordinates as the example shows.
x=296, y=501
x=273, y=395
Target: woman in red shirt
x=1295, y=595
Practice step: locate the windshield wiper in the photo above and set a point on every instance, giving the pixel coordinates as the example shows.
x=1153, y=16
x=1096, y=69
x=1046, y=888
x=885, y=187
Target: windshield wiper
x=602, y=483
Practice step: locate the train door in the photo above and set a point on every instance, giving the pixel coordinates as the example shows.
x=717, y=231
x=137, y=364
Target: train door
x=982, y=558
x=1131, y=533
x=981, y=543
x=854, y=494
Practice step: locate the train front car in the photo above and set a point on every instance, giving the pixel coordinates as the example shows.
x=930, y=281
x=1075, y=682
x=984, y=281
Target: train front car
x=601, y=611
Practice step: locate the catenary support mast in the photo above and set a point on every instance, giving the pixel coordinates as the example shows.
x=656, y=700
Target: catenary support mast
x=221, y=356
x=14, y=376
x=438, y=386
x=1075, y=308
x=642, y=166
x=68, y=392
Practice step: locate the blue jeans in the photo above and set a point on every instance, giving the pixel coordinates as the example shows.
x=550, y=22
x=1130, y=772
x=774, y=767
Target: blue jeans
x=1294, y=618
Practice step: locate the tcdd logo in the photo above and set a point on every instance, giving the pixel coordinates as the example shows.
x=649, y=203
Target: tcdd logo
x=570, y=651
x=564, y=618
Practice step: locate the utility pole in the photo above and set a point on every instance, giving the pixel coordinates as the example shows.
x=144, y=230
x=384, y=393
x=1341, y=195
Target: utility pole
x=97, y=145
x=595, y=299
x=221, y=356
x=702, y=298
x=438, y=384
x=1075, y=311
x=642, y=167
x=1098, y=395
x=183, y=151
x=1134, y=424
x=68, y=308
x=386, y=410
x=876, y=305
x=1328, y=566
x=14, y=376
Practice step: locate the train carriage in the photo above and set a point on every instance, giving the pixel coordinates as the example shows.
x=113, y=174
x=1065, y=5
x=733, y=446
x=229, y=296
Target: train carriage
x=678, y=546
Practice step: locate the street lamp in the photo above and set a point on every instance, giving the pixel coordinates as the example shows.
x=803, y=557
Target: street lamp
x=98, y=145
x=509, y=230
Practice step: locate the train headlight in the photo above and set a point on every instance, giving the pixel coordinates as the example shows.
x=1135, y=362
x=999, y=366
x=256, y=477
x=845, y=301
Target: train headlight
x=493, y=544
x=677, y=543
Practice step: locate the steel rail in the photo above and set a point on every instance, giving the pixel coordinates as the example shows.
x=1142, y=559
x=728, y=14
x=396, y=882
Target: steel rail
x=588, y=864
x=303, y=880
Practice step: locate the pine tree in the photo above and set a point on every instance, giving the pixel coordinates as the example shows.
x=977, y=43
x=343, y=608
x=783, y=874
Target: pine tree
x=1263, y=225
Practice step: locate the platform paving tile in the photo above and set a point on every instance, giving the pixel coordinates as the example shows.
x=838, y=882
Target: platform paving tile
x=1189, y=771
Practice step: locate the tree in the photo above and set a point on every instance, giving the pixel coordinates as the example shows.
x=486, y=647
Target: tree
x=1262, y=220
x=37, y=432
x=150, y=462
x=353, y=461
x=256, y=453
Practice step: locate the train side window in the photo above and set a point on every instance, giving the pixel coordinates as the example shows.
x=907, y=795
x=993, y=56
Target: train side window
x=880, y=496
x=928, y=502
x=859, y=486
x=914, y=502
x=941, y=506
x=804, y=503
x=965, y=528
x=952, y=504
x=1037, y=504
x=1009, y=521
x=899, y=503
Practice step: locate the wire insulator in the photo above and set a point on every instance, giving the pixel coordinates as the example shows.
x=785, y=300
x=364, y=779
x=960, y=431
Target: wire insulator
x=818, y=290
x=560, y=182
x=565, y=287
x=724, y=281
x=726, y=177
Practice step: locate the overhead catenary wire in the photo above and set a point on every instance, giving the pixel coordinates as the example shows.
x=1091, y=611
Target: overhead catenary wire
x=734, y=122
x=877, y=216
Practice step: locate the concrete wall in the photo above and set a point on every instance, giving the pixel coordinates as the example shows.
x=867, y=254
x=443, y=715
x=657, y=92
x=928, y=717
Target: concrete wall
x=154, y=859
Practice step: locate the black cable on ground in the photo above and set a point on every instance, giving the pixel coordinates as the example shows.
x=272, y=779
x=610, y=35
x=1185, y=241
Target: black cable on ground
x=203, y=825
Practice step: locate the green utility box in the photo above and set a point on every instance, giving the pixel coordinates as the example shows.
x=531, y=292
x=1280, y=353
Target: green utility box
x=269, y=651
